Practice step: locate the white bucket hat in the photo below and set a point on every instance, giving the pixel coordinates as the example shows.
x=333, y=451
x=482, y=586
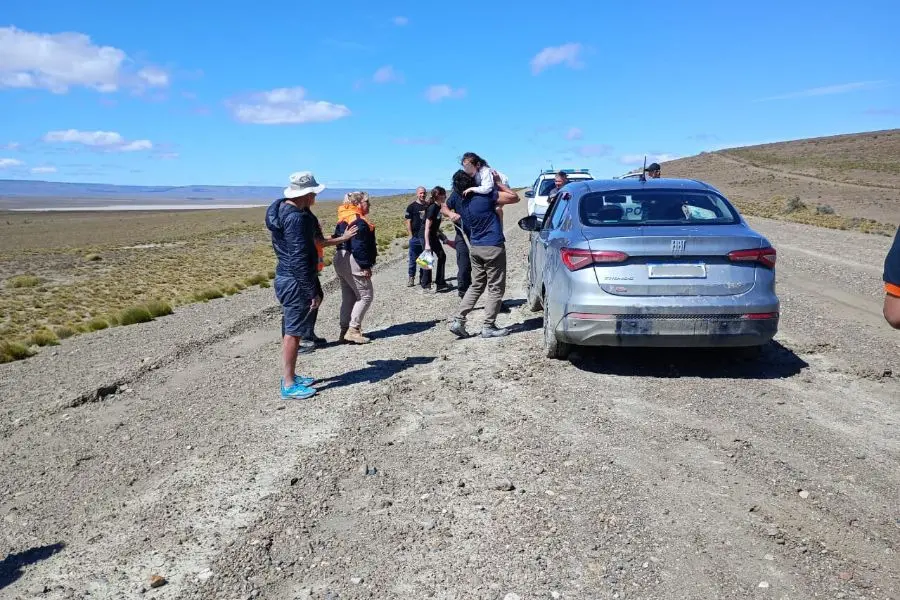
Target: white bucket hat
x=302, y=183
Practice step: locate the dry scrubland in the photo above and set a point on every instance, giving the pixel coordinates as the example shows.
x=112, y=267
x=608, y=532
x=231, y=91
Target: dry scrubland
x=62, y=274
x=849, y=182
x=69, y=273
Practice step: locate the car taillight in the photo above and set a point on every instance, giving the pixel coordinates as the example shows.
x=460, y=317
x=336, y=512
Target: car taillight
x=764, y=256
x=575, y=258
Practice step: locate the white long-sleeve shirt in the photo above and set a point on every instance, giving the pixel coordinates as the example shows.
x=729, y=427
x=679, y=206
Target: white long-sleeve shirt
x=484, y=180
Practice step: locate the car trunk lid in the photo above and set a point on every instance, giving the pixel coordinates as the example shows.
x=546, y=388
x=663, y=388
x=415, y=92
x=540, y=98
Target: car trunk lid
x=675, y=260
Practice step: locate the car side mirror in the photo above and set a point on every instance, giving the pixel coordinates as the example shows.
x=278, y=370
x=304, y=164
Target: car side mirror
x=529, y=194
x=529, y=223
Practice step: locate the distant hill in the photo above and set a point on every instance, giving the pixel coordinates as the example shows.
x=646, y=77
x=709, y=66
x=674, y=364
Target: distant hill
x=15, y=194
x=857, y=175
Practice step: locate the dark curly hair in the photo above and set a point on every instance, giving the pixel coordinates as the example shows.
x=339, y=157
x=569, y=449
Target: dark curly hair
x=462, y=181
x=436, y=192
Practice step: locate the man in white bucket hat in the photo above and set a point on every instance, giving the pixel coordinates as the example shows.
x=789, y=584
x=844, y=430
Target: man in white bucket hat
x=297, y=240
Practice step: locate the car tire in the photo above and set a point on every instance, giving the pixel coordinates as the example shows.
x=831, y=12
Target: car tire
x=532, y=299
x=553, y=348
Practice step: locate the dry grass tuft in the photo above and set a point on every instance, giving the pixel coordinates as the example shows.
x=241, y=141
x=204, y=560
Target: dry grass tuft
x=10, y=351
x=44, y=337
x=134, y=315
x=23, y=281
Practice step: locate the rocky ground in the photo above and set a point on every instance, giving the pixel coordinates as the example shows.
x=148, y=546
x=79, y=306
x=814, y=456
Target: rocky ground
x=161, y=455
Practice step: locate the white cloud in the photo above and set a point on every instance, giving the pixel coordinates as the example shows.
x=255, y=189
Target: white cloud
x=7, y=163
x=593, y=150
x=286, y=106
x=12, y=146
x=574, y=134
x=426, y=141
x=387, y=74
x=652, y=157
x=829, y=90
x=110, y=141
x=400, y=21
x=439, y=92
x=136, y=146
x=43, y=170
x=567, y=54
x=59, y=61
x=167, y=155
x=154, y=76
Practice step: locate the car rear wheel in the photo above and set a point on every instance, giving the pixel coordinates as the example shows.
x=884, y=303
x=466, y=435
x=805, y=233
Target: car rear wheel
x=553, y=348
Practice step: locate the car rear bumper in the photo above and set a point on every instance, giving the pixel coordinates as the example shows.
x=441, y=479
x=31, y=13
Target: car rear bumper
x=699, y=331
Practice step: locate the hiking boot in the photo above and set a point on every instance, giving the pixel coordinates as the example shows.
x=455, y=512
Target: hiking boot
x=355, y=336
x=492, y=331
x=458, y=328
x=318, y=341
x=305, y=347
x=343, y=337
x=411, y=282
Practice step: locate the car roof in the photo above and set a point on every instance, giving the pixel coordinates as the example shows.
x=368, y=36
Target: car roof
x=570, y=176
x=604, y=185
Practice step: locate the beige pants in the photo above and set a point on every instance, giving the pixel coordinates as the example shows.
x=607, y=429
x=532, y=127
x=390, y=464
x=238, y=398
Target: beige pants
x=356, y=291
x=488, y=272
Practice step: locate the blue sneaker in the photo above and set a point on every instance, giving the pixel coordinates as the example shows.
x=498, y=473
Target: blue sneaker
x=304, y=381
x=296, y=392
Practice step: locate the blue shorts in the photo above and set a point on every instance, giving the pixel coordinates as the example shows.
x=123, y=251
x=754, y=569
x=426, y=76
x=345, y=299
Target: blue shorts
x=297, y=314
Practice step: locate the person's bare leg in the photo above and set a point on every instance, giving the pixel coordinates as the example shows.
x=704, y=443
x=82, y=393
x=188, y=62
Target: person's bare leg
x=289, y=347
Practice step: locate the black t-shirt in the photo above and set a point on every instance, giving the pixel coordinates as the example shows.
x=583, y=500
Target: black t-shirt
x=892, y=268
x=415, y=214
x=433, y=212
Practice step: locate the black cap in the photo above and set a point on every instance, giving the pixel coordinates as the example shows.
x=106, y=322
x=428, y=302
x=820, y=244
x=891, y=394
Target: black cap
x=653, y=167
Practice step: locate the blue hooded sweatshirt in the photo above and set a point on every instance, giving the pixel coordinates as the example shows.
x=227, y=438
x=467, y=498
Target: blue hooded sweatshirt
x=294, y=234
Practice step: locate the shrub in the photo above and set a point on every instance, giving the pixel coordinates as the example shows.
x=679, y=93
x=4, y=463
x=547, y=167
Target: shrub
x=229, y=290
x=135, y=314
x=10, y=351
x=113, y=320
x=271, y=274
x=794, y=204
x=158, y=308
x=93, y=257
x=44, y=337
x=22, y=281
x=65, y=332
x=265, y=284
x=824, y=209
x=255, y=279
x=210, y=294
x=97, y=324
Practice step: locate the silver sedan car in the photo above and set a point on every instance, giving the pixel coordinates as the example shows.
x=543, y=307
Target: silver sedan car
x=662, y=262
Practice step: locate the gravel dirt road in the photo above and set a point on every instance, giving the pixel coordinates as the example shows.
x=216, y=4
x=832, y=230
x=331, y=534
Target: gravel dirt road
x=431, y=467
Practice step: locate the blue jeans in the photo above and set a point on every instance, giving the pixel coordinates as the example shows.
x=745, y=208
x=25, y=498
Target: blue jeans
x=416, y=247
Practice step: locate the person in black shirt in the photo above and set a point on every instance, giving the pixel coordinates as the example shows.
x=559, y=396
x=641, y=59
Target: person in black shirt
x=415, y=223
x=892, y=284
x=432, y=237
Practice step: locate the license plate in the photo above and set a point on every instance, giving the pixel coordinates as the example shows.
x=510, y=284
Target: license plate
x=677, y=271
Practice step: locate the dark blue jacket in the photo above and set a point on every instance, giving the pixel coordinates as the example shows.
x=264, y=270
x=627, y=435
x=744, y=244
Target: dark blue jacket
x=362, y=246
x=294, y=233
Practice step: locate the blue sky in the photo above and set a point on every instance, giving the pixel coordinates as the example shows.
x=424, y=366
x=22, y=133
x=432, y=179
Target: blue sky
x=391, y=94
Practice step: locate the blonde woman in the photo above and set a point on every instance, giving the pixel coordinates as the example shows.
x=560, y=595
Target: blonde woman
x=353, y=262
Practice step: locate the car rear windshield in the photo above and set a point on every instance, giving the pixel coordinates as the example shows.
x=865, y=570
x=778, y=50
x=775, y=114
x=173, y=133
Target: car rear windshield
x=655, y=207
x=549, y=184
